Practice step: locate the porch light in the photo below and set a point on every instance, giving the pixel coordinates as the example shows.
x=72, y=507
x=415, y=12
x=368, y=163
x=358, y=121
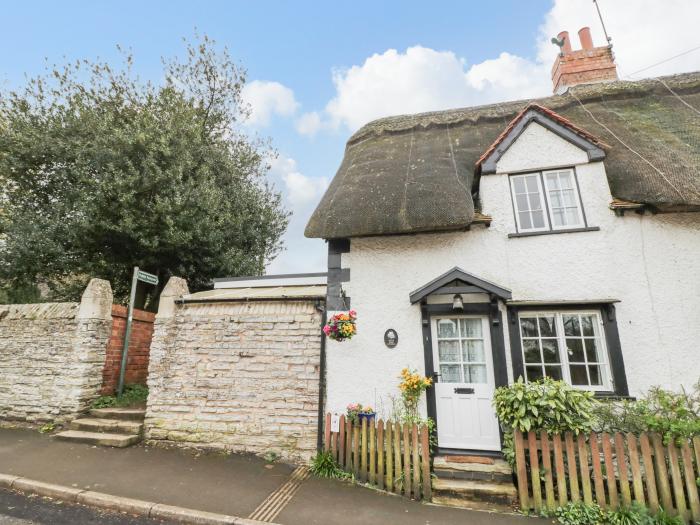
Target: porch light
x=457, y=303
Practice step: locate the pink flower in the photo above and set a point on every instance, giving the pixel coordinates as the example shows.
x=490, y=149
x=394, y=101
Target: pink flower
x=326, y=329
x=352, y=313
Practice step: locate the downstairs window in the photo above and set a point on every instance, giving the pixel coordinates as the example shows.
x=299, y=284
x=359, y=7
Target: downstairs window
x=568, y=345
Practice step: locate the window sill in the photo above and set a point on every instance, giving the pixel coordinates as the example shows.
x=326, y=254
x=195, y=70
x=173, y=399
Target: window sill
x=551, y=232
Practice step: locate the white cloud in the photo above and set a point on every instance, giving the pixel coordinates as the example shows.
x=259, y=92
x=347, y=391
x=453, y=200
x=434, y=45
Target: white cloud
x=424, y=79
x=267, y=99
x=301, y=193
x=309, y=123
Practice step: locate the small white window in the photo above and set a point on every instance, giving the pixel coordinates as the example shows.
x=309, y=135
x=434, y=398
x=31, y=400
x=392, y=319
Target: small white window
x=566, y=346
x=564, y=205
x=528, y=200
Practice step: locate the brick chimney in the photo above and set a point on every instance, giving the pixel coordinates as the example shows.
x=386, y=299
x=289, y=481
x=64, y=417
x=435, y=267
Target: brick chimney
x=583, y=66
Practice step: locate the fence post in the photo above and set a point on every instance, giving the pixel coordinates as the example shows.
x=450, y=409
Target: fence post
x=341, y=442
x=571, y=466
x=397, y=456
x=372, y=453
x=415, y=444
x=406, y=460
x=690, y=483
x=662, y=473
x=610, y=470
x=559, y=466
x=389, y=458
x=363, y=456
x=534, y=470
x=380, y=454
x=521, y=470
x=597, y=471
x=547, y=467
x=327, y=433
x=425, y=450
x=585, y=473
x=649, y=473
x=637, y=481
x=677, y=480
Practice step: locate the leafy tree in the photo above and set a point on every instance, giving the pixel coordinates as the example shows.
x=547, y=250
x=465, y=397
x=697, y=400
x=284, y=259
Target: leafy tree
x=101, y=171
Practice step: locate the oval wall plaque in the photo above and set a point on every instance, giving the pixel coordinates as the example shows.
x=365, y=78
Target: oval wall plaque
x=391, y=338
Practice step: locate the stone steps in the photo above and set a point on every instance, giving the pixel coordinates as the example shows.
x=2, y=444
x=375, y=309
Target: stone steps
x=471, y=494
x=99, y=438
x=473, y=482
x=110, y=427
x=114, y=426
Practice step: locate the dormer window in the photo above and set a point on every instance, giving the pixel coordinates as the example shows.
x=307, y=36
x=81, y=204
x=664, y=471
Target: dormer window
x=547, y=201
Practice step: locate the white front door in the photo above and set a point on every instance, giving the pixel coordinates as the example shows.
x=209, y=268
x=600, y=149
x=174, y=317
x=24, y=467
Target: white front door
x=464, y=388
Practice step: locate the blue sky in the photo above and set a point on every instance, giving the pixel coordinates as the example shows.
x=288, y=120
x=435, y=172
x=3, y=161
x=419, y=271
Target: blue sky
x=319, y=70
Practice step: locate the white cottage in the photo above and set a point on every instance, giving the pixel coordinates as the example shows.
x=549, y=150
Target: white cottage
x=552, y=238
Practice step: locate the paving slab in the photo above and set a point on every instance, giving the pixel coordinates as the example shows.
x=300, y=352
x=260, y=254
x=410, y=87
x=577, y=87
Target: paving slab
x=225, y=484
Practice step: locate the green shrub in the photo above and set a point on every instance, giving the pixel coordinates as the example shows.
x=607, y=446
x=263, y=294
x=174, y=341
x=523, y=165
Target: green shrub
x=672, y=414
x=579, y=514
x=325, y=466
x=546, y=404
x=634, y=515
x=132, y=395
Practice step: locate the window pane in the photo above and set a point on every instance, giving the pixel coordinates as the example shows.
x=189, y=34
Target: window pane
x=554, y=372
x=547, y=327
x=450, y=374
x=525, y=222
x=447, y=328
x=533, y=373
x=448, y=351
x=587, y=325
x=529, y=326
x=552, y=181
x=596, y=377
x=555, y=199
x=575, y=350
x=568, y=198
x=571, y=216
x=473, y=351
x=531, y=181
x=532, y=351
x=558, y=217
x=535, y=202
x=578, y=375
x=475, y=373
x=470, y=327
x=538, y=219
x=571, y=325
x=550, y=351
x=521, y=202
x=518, y=185
x=592, y=350
x=565, y=179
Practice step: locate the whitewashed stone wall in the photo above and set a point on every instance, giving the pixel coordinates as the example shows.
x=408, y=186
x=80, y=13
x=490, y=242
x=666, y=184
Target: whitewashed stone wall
x=235, y=376
x=52, y=354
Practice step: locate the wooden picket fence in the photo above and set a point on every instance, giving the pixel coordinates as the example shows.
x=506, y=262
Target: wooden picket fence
x=393, y=456
x=555, y=469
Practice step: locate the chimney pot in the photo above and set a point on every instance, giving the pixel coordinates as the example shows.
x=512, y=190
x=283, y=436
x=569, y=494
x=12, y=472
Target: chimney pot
x=584, y=35
x=564, y=35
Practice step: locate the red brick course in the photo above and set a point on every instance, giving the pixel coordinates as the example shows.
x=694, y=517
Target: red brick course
x=139, y=347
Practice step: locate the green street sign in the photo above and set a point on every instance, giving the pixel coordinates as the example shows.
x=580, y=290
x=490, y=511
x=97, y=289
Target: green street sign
x=147, y=277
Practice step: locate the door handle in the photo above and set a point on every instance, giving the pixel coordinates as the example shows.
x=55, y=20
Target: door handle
x=464, y=390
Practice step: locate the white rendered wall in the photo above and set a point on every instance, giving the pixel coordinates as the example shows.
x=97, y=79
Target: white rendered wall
x=650, y=263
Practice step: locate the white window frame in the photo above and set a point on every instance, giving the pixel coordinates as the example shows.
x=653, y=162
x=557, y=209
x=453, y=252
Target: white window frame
x=545, y=213
x=605, y=367
x=579, y=205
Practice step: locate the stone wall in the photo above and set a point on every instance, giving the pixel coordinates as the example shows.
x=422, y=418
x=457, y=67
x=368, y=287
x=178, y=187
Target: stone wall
x=238, y=376
x=52, y=354
x=139, y=347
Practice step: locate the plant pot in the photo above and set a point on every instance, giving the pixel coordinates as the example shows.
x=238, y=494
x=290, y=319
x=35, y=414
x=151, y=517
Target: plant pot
x=368, y=417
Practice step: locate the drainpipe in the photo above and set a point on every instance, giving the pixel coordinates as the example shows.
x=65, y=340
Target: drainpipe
x=320, y=306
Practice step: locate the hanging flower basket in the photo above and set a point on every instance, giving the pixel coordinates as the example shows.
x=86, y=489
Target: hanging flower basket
x=341, y=326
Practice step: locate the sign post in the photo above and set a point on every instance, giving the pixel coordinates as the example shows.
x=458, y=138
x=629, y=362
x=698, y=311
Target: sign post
x=148, y=278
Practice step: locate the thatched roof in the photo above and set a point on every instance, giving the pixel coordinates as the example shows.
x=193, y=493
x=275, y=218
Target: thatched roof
x=416, y=173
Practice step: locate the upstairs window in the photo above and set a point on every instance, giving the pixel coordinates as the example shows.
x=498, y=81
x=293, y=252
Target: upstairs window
x=547, y=201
